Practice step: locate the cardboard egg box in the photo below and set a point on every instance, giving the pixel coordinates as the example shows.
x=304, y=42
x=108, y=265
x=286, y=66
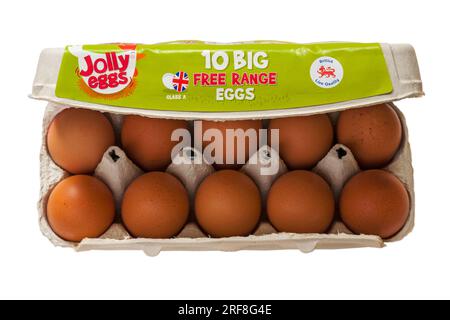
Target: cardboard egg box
x=117, y=171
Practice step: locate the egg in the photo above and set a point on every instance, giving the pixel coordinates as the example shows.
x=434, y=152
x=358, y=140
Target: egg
x=155, y=205
x=228, y=203
x=147, y=141
x=303, y=141
x=225, y=149
x=300, y=202
x=78, y=138
x=80, y=207
x=373, y=134
x=374, y=202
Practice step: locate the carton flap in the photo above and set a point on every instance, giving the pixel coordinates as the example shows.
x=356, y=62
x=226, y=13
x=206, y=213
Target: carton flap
x=400, y=60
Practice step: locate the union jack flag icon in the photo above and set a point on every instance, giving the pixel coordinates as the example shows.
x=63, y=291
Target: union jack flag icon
x=180, y=81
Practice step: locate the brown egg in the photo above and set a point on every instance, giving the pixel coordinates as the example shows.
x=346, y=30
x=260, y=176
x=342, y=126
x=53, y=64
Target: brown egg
x=155, y=205
x=221, y=153
x=372, y=133
x=304, y=141
x=147, y=141
x=228, y=203
x=301, y=202
x=78, y=138
x=80, y=207
x=374, y=202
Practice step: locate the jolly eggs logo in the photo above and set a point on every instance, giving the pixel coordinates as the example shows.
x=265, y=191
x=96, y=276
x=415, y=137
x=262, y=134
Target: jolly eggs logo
x=326, y=72
x=105, y=73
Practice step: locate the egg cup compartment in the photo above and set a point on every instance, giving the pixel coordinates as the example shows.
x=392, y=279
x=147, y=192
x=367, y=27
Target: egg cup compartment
x=117, y=171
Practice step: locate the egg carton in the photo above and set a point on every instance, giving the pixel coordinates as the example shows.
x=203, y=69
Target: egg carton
x=117, y=171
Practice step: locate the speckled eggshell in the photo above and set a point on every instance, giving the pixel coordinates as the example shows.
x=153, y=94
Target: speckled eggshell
x=374, y=202
x=373, y=134
x=80, y=207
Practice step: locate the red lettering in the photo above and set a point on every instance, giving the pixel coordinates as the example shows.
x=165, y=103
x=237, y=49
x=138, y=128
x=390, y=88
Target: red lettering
x=262, y=78
x=114, y=61
x=93, y=82
x=103, y=67
x=244, y=79
x=213, y=79
x=196, y=78
x=222, y=79
x=272, y=78
x=112, y=80
x=254, y=78
x=234, y=79
x=109, y=62
x=103, y=82
x=123, y=78
x=210, y=79
x=124, y=60
x=205, y=79
x=90, y=67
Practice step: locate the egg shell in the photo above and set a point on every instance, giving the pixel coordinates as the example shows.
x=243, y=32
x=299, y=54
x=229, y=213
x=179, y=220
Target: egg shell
x=374, y=202
x=80, y=207
x=228, y=203
x=155, y=205
x=300, y=201
x=303, y=140
x=373, y=134
x=221, y=153
x=147, y=141
x=78, y=138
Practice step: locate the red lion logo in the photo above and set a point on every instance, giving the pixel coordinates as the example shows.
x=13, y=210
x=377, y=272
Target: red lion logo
x=326, y=72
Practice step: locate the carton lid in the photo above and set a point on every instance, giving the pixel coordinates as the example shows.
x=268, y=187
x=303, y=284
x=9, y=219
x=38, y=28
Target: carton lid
x=400, y=60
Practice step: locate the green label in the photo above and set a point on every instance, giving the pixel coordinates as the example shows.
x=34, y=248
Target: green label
x=198, y=76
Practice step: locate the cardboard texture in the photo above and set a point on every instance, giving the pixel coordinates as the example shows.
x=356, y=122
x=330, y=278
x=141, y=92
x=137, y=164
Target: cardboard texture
x=117, y=171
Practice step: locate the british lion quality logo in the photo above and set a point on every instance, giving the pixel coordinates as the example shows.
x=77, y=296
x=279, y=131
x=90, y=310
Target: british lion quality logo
x=326, y=72
x=106, y=73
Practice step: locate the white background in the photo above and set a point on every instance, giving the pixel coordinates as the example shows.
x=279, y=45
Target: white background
x=30, y=267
